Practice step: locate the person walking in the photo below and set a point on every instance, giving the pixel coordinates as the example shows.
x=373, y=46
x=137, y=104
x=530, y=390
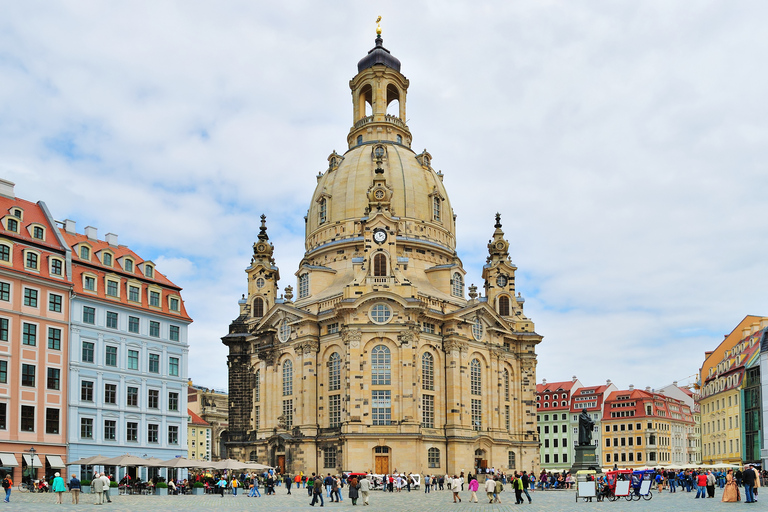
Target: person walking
x=58, y=487
x=221, y=485
x=498, y=490
x=7, y=485
x=490, y=488
x=748, y=479
x=317, y=492
x=311, y=484
x=701, y=486
x=354, y=487
x=74, y=488
x=526, y=483
x=106, y=481
x=455, y=486
x=473, y=486
x=235, y=485
x=97, y=487
x=365, y=487
x=288, y=482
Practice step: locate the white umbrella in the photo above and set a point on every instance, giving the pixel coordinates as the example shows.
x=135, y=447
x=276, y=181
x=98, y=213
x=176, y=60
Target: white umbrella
x=257, y=466
x=128, y=460
x=181, y=462
x=229, y=464
x=93, y=460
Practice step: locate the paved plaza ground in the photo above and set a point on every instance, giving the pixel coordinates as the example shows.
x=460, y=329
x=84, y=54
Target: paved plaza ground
x=439, y=501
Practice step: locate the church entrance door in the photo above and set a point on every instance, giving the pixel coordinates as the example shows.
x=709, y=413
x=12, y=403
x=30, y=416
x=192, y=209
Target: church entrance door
x=281, y=463
x=382, y=465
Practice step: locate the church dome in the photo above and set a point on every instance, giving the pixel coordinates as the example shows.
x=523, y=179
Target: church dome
x=378, y=56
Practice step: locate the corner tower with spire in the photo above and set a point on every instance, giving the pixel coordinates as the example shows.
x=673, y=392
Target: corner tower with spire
x=379, y=359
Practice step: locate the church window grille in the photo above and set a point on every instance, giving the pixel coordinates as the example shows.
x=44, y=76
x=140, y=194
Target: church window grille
x=475, y=377
x=285, y=331
x=505, y=377
x=329, y=457
x=381, y=407
x=287, y=378
x=333, y=328
x=334, y=372
x=260, y=282
x=477, y=329
x=380, y=366
x=428, y=411
x=256, y=417
x=258, y=307
x=323, y=210
x=504, y=305
x=506, y=417
x=288, y=413
x=334, y=411
x=436, y=208
x=511, y=460
x=427, y=372
x=381, y=313
x=477, y=414
x=303, y=286
x=433, y=457
x=457, y=285
x=257, y=387
x=379, y=265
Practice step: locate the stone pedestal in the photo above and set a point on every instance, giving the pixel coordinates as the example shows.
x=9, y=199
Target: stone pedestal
x=585, y=459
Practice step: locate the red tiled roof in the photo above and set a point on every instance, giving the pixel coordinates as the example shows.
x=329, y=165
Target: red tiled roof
x=194, y=419
x=555, y=386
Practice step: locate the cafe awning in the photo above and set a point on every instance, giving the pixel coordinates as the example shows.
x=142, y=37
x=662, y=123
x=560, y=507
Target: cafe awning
x=32, y=462
x=8, y=460
x=55, y=461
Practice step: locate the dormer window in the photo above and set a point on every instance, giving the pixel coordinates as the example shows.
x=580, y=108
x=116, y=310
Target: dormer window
x=38, y=232
x=128, y=265
x=89, y=283
x=323, y=210
x=31, y=261
x=5, y=252
x=154, y=299
x=85, y=252
x=174, y=304
x=304, y=285
x=436, y=208
x=107, y=259
x=12, y=225
x=149, y=271
x=17, y=213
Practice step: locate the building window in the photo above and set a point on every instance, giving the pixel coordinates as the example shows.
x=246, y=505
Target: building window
x=334, y=372
x=27, y=418
x=131, y=431
x=89, y=315
x=89, y=283
x=475, y=377
x=457, y=285
x=112, y=287
x=258, y=307
x=110, y=356
x=505, y=378
x=504, y=305
x=381, y=407
x=380, y=366
x=5, y=253
x=110, y=430
x=107, y=259
x=37, y=232
x=433, y=458
x=288, y=413
x=173, y=401
x=31, y=261
x=57, y=268
x=128, y=264
x=3, y=372
x=86, y=391
x=132, y=396
x=477, y=329
x=133, y=359
x=86, y=428
x=256, y=417
x=133, y=294
x=5, y=292
x=154, y=299
x=173, y=366
x=329, y=457
x=323, y=210
x=29, y=336
x=334, y=411
x=152, y=433
x=303, y=286
x=85, y=252
x=153, y=399
x=28, y=375
x=359, y=139
x=3, y=329
x=149, y=271
x=511, y=462
x=133, y=324
x=436, y=208
x=380, y=313
x=154, y=363
x=173, y=434
x=87, y=352
x=154, y=329
x=427, y=372
x=257, y=386
x=54, y=303
x=507, y=417
x=287, y=378
x=30, y=297
x=13, y=225
x=174, y=304
x=110, y=394
x=54, y=378
x=379, y=265
x=428, y=327
x=477, y=414
x=428, y=411
x=111, y=320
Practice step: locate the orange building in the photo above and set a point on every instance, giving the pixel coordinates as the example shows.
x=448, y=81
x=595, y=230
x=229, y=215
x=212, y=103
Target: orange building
x=35, y=285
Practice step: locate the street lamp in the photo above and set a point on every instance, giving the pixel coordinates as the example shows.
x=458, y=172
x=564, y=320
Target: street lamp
x=32, y=462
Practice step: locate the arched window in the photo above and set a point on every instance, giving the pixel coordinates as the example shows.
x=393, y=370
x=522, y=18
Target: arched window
x=323, y=210
x=380, y=366
x=427, y=372
x=257, y=386
x=477, y=329
x=504, y=305
x=287, y=378
x=258, y=307
x=334, y=372
x=304, y=285
x=475, y=377
x=457, y=285
x=433, y=457
x=379, y=265
x=505, y=377
x=436, y=208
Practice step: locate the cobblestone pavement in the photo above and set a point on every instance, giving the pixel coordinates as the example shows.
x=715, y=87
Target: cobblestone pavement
x=439, y=501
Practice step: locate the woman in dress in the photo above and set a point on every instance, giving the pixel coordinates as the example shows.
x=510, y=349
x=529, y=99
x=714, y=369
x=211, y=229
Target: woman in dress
x=731, y=491
x=353, y=488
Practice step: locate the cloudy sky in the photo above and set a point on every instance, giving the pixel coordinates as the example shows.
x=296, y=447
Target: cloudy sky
x=624, y=143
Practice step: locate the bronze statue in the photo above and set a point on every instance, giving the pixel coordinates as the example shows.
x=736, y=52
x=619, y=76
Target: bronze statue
x=585, y=428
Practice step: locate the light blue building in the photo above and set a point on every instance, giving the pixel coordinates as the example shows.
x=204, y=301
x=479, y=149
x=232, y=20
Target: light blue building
x=128, y=357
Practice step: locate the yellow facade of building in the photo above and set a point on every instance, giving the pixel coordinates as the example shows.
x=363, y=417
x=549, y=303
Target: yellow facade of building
x=381, y=362
x=199, y=438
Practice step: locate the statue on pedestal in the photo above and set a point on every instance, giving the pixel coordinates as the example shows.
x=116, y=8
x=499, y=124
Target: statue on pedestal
x=585, y=428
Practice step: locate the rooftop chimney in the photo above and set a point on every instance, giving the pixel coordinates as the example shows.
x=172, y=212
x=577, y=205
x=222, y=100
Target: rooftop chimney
x=574, y=379
x=648, y=388
x=70, y=226
x=608, y=382
x=674, y=383
x=111, y=239
x=6, y=188
x=91, y=233
x=543, y=382
x=631, y=387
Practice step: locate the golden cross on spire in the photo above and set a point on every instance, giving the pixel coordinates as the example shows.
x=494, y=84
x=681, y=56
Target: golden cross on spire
x=378, y=25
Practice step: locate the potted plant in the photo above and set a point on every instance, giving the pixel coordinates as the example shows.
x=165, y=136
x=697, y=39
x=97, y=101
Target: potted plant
x=198, y=488
x=85, y=486
x=161, y=489
x=114, y=490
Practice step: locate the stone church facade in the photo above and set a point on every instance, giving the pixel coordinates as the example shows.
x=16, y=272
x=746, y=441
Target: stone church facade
x=378, y=361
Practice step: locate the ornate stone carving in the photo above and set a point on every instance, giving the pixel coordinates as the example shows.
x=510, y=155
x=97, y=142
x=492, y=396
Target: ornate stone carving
x=269, y=356
x=409, y=336
x=307, y=347
x=454, y=346
x=351, y=337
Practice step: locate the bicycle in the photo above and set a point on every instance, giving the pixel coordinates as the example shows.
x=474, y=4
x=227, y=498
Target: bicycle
x=27, y=487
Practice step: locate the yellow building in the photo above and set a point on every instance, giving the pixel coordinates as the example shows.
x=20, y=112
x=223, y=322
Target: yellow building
x=722, y=378
x=198, y=437
x=212, y=406
x=380, y=361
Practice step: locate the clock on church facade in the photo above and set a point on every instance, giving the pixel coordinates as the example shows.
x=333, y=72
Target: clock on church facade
x=379, y=361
